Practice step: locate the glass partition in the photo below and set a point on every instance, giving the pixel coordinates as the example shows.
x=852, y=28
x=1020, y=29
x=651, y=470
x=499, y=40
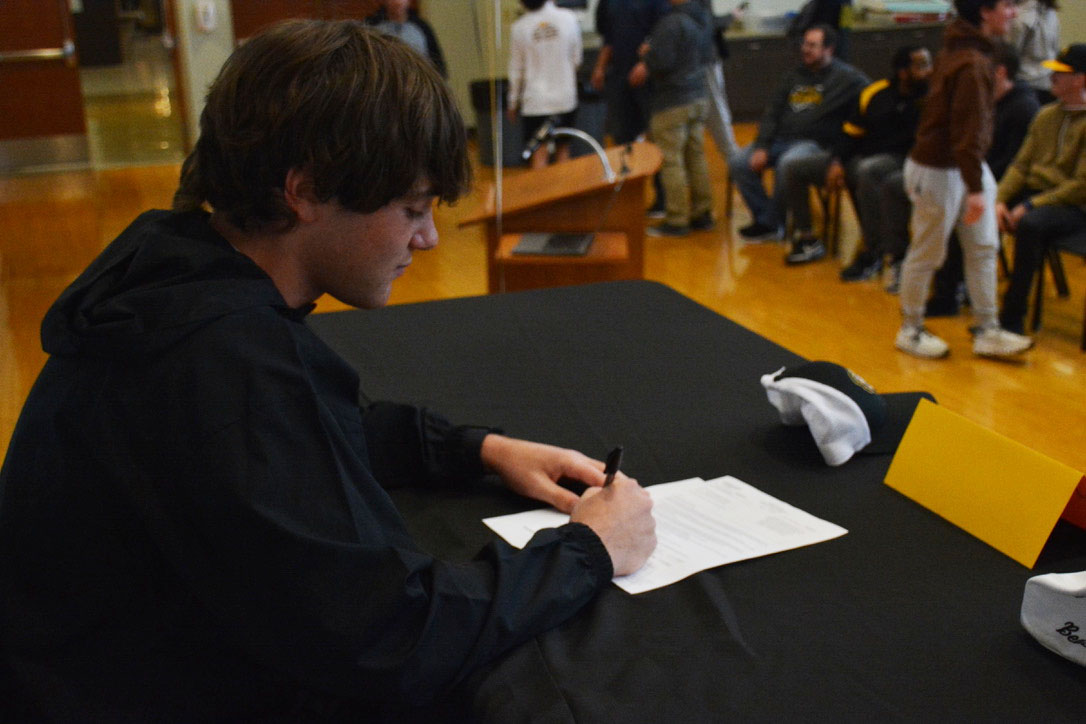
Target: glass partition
x=479, y=63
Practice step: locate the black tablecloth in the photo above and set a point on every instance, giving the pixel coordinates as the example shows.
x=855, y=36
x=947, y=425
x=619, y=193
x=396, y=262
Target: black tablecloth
x=905, y=617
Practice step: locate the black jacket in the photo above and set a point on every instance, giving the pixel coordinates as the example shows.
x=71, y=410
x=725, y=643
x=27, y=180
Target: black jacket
x=883, y=120
x=191, y=521
x=811, y=104
x=1014, y=113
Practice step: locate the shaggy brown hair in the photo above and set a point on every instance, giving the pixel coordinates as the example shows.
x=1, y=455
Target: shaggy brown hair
x=365, y=116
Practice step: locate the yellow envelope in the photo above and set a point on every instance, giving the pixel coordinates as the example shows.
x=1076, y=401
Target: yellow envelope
x=992, y=487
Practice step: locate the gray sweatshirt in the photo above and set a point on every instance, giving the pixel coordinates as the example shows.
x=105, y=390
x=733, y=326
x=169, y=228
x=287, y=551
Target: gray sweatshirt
x=680, y=48
x=811, y=105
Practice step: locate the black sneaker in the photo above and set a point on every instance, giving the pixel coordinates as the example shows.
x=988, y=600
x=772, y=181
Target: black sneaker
x=865, y=266
x=702, y=222
x=657, y=210
x=760, y=232
x=666, y=229
x=805, y=249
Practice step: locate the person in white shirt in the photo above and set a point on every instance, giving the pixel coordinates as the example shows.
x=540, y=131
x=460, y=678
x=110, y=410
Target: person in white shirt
x=544, y=53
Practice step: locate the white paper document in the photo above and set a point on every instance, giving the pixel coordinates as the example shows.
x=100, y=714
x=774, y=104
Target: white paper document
x=700, y=524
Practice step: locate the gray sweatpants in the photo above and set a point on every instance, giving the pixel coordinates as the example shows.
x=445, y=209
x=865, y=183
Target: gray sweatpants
x=938, y=196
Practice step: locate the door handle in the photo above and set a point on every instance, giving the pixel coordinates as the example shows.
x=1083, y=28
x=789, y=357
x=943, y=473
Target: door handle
x=66, y=53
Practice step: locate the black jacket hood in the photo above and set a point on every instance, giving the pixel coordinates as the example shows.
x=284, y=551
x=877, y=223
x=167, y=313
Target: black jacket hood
x=166, y=275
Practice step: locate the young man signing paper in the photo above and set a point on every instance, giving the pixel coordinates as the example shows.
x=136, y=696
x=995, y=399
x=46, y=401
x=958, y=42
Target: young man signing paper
x=193, y=517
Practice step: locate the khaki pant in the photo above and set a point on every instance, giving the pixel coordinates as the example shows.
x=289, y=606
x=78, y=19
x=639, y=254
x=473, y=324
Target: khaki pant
x=680, y=134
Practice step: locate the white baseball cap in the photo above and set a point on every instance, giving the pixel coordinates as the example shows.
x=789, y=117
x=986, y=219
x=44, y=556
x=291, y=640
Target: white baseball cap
x=840, y=408
x=1054, y=613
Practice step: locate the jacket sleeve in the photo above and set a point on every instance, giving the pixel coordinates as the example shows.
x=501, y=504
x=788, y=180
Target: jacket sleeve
x=767, y=129
x=665, y=53
x=281, y=535
x=1013, y=180
x=1064, y=186
x=1011, y=133
x=971, y=131
x=603, y=21
x=848, y=85
x=847, y=142
x=332, y=593
x=1070, y=190
x=411, y=445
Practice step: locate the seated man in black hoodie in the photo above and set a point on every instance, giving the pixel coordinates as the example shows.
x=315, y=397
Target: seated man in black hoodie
x=193, y=517
x=869, y=157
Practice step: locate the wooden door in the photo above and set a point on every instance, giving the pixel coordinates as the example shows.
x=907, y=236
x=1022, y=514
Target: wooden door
x=252, y=15
x=345, y=9
x=41, y=103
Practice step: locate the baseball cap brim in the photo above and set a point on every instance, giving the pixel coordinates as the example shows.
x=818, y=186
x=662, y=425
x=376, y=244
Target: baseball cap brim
x=1057, y=66
x=900, y=407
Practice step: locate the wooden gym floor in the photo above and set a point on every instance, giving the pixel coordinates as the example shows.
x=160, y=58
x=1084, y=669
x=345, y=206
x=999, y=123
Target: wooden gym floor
x=54, y=224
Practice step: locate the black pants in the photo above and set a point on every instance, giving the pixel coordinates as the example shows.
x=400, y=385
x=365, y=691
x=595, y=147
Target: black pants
x=1036, y=232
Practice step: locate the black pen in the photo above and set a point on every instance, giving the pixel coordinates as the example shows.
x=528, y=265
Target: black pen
x=614, y=459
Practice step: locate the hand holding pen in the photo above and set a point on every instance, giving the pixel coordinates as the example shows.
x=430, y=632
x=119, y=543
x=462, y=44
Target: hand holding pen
x=620, y=513
x=614, y=460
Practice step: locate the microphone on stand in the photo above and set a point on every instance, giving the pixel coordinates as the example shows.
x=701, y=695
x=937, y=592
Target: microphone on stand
x=625, y=169
x=539, y=138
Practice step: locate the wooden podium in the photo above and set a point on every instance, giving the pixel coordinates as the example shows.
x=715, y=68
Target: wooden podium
x=572, y=196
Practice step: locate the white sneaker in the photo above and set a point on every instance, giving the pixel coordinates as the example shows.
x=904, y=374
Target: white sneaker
x=998, y=342
x=919, y=342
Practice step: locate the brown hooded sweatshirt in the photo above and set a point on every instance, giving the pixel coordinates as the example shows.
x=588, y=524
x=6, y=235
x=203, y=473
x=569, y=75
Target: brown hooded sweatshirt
x=956, y=122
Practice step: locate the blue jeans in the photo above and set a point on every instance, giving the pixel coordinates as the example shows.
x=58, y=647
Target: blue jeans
x=783, y=155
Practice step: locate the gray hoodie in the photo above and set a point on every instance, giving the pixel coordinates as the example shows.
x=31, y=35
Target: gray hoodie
x=811, y=104
x=680, y=48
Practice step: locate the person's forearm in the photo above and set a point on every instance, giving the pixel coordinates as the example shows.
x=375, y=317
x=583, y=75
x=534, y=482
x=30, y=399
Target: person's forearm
x=1070, y=193
x=603, y=60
